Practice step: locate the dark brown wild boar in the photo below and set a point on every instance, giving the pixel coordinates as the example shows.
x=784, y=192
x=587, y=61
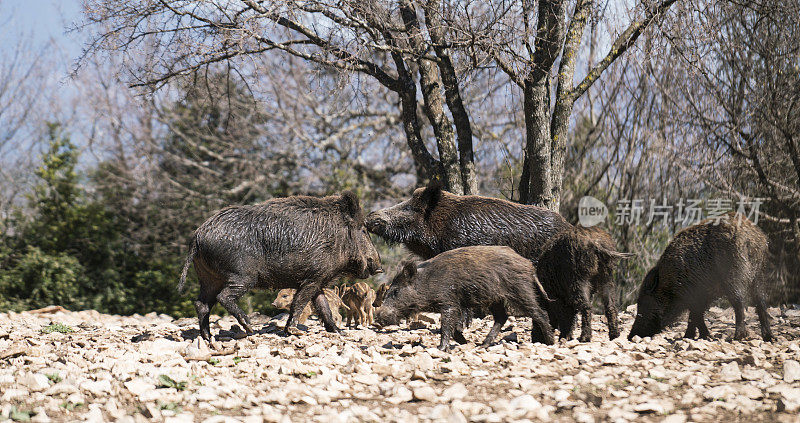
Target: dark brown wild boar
x=284, y=301
x=702, y=263
x=575, y=264
x=433, y=221
x=481, y=278
x=296, y=242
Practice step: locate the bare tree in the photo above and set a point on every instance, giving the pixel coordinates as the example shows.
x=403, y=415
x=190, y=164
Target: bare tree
x=22, y=78
x=409, y=47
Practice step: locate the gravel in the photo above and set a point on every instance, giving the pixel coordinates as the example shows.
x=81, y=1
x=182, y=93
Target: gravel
x=155, y=368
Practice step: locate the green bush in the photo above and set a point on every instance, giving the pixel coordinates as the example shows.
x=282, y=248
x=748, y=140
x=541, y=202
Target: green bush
x=38, y=279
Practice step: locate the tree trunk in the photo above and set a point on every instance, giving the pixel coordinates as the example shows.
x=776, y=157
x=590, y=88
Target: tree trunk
x=452, y=94
x=433, y=105
x=536, y=184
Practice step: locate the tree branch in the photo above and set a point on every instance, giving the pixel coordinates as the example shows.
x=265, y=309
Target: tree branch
x=625, y=40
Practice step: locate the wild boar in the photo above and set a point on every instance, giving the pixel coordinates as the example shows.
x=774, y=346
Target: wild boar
x=298, y=242
x=576, y=264
x=704, y=262
x=491, y=278
x=284, y=301
x=433, y=221
x=359, y=298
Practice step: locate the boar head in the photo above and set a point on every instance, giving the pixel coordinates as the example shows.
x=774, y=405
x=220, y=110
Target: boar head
x=380, y=294
x=649, y=309
x=401, y=298
x=408, y=222
x=364, y=259
x=284, y=298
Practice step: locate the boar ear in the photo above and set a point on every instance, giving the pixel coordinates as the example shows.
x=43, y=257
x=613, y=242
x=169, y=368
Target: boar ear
x=431, y=195
x=409, y=269
x=351, y=206
x=650, y=280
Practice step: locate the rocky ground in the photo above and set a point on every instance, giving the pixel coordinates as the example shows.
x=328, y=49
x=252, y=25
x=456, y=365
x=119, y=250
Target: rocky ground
x=152, y=367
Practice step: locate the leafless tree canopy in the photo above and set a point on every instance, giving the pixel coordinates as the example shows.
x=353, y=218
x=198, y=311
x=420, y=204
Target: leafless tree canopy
x=412, y=49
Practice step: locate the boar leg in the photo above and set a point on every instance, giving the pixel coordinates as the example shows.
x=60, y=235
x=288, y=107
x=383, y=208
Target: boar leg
x=370, y=315
x=323, y=310
x=763, y=316
x=738, y=311
x=449, y=318
x=231, y=294
x=203, y=305
x=301, y=298
x=584, y=304
x=610, y=308
x=691, y=327
x=500, y=317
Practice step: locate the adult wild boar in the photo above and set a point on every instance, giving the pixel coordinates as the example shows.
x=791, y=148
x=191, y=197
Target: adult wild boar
x=702, y=263
x=296, y=242
x=491, y=278
x=575, y=264
x=433, y=221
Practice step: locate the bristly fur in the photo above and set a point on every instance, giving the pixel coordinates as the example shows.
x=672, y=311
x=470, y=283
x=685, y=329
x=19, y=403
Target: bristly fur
x=575, y=264
x=702, y=263
x=298, y=242
x=470, y=279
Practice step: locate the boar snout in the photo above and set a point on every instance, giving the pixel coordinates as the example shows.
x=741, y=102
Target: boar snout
x=387, y=317
x=374, y=266
x=374, y=221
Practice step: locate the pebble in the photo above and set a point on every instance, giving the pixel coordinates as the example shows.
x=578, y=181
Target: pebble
x=791, y=371
x=396, y=374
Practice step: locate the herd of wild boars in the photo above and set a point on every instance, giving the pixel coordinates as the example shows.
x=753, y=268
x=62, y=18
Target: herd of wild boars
x=481, y=256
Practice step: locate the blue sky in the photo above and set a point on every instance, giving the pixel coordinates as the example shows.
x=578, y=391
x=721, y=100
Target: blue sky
x=41, y=19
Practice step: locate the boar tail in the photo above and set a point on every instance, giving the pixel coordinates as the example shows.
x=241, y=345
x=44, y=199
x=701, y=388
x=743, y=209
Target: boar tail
x=613, y=254
x=541, y=290
x=186, y=264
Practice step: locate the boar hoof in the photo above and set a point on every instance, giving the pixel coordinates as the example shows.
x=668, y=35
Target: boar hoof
x=291, y=330
x=459, y=337
x=740, y=335
x=585, y=338
x=613, y=334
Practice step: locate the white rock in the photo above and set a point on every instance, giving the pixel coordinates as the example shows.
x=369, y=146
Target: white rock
x=139, y=386
x=674, y=418
x=401, y=395
x=95, y=415
x=197, y=350
x=97, y=388
x=730, y=372
x=791, y=371
x=455, y=392
x=424, y=362
x=525, y=405
x=424, y=393
x=560, y=395
x=720, y=392
x=789, y=400
x=35, y=382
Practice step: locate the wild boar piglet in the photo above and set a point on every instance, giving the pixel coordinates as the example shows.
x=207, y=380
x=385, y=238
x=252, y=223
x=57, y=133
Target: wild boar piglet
x=284, y=301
